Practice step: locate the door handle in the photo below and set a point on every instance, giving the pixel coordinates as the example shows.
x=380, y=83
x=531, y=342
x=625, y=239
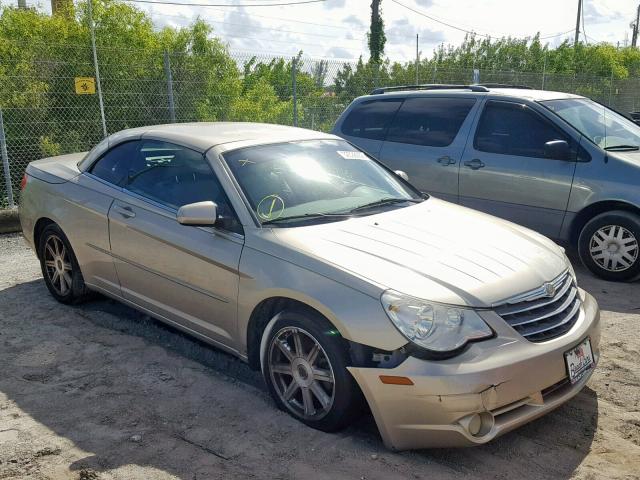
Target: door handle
x=474, y=164
x=126, y=212
x=446, y=160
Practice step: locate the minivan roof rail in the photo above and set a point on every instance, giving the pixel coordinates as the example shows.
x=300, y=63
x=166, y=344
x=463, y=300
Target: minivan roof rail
x=430, y=86
x=504, y=85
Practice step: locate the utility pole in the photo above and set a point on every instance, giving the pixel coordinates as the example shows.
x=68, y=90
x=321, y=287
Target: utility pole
x=417, y=59
x=636, y=26
x=577, y=37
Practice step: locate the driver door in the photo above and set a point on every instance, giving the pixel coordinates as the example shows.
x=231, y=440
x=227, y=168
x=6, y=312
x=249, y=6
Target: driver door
x=184, y=274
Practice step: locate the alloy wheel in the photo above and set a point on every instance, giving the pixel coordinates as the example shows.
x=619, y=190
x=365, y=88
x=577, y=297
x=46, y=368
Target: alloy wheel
x=614, y=248
x=301, y=373
x=58, y=265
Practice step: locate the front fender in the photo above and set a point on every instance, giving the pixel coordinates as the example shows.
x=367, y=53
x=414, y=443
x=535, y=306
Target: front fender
x=357, y=316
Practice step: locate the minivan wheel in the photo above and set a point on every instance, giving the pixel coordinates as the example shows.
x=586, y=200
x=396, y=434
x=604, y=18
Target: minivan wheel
x=304, y=365
x=60, y=268
x=609, y=245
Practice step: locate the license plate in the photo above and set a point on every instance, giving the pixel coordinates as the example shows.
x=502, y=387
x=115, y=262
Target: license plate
x=579, y=360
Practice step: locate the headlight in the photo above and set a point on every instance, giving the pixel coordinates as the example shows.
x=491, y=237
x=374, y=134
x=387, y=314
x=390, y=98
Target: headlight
x=438, y=328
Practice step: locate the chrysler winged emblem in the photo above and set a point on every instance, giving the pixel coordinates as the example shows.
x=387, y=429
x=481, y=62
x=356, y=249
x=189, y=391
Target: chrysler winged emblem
x=549, y=289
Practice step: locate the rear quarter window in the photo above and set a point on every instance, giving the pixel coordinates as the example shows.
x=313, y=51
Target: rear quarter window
x=371, y=119
x=432, y=122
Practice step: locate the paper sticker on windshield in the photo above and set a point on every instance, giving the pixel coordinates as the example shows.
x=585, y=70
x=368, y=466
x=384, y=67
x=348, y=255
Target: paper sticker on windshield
x=352, y=155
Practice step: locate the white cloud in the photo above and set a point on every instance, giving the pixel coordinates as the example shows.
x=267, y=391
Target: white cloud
x=334, y=3
x=337, y=28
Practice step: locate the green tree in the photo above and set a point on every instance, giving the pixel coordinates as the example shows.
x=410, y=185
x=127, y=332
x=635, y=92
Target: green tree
x=376, y=37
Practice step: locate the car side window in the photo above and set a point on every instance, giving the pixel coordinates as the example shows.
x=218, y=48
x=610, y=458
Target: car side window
x=514, y=129
x=433, y=122
x=174, y=176
x=113, y=166
x=371, y=119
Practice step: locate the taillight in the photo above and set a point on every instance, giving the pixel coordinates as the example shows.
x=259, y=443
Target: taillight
x=23, y=182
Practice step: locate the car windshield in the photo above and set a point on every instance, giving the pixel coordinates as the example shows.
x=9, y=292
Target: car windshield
x=601, y=125
x=319, y=180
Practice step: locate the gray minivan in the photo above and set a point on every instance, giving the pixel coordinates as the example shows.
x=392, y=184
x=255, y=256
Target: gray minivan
x=557, y=163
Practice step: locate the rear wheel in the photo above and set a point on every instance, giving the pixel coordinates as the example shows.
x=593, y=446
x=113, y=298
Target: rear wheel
x=304, y=365
x=609, y=245
x=60, y=268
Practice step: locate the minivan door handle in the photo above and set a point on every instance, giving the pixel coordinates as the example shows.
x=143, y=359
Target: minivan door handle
x=126, y=211
x=474, y=164
x=446, y=160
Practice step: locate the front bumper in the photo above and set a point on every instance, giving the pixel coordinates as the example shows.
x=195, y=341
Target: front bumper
x=508, y=380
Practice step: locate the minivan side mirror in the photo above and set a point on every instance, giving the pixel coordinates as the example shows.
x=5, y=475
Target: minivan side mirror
x=402, y=175
x=557, y=150
x=200, y=214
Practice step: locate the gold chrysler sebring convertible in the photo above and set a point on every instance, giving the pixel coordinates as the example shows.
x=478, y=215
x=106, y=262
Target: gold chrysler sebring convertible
x=305, y=257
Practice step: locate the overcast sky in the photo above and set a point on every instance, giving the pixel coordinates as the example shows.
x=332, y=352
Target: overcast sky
x=337, y=28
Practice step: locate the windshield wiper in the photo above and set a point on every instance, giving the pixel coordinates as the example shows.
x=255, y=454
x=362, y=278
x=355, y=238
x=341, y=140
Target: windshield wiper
x=386, y=201
x=307, y=216
x=623, y=148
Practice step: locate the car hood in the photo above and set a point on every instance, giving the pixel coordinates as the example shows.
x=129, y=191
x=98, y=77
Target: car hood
x=434, y=250
x=630, y=157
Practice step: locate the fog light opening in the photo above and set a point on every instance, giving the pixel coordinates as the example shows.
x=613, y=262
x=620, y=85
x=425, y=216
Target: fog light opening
x=477, y=424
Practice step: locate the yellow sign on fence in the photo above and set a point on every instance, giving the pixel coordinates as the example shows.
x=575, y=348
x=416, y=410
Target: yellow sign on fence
x=85, y=85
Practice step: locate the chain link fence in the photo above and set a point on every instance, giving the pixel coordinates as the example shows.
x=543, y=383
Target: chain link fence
x=44, y=115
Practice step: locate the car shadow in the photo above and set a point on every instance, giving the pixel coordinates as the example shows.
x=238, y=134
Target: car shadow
x=128, y=390
x=616, y=297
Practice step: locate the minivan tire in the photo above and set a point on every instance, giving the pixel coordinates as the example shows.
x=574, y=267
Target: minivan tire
x=332, y=358
x=56, y=255
x=609, y=245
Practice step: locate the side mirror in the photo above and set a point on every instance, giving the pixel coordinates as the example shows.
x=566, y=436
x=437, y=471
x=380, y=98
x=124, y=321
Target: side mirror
x=201, y=214
x=557, y=150
x=402, y=175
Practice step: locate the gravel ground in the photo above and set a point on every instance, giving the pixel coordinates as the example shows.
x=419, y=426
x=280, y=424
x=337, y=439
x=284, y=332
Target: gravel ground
x=102, y=392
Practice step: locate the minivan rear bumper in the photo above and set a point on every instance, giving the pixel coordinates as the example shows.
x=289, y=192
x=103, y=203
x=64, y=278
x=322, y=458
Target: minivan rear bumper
x=499, y=384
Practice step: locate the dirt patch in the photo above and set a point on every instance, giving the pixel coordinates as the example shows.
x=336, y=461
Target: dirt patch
x=103, y=392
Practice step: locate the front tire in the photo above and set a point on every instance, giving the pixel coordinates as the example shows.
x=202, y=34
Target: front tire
x=304, y=365
x=609, y=245
x=60, y=267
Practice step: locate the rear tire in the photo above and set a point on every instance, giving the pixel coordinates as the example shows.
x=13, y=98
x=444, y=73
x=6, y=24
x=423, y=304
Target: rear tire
x=60, y=267
x=609, y=245
x=304, y=364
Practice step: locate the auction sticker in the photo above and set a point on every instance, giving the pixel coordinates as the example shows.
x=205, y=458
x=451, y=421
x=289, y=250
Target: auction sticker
x=352, y=155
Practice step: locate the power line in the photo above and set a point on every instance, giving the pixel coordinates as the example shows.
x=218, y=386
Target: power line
x=290, y=20
x=224, y=22
x=556, y=34
x=472, y=32
x=279, y=4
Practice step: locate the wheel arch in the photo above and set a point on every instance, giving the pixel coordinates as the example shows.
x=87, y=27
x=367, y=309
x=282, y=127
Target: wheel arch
x=595, y=209
x=262, y=313
x=40, y=225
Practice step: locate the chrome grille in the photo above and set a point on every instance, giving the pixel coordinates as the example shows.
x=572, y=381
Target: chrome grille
x=537, y=316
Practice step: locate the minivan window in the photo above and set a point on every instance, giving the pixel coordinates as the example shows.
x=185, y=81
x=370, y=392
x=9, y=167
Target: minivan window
x=513, y=129
x=371, y=119
x=601, y=125
x=433, y=122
